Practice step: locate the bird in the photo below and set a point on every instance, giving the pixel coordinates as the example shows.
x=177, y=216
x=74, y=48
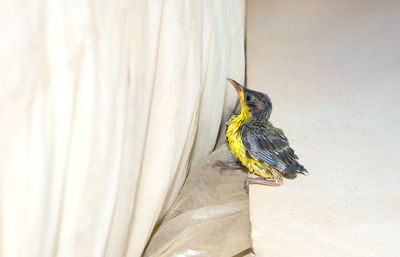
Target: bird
x=257, y=144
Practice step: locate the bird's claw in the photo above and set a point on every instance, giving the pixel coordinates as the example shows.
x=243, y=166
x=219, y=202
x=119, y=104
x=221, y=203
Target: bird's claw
x=228, y=165
x=269, y=182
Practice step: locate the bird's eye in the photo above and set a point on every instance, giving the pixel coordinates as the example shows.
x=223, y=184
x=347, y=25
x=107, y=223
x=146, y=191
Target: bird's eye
x=249, y=98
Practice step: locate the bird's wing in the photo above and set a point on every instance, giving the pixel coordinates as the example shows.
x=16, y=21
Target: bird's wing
x=270, y=146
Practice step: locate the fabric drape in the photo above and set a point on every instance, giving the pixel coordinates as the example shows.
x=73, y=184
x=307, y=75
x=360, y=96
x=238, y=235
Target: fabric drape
x=104, y=106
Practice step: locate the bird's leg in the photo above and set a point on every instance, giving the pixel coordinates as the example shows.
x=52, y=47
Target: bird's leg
x=276, y=181
x=228, y=165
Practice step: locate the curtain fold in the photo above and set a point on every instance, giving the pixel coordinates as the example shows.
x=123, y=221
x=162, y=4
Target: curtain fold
x=104, y=108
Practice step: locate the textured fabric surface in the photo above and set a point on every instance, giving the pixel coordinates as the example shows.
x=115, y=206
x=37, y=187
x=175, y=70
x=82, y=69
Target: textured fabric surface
x=332, y=70
x=210, y=216
x=103, y=104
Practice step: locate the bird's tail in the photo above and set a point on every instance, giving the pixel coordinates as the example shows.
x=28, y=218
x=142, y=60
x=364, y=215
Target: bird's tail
x=301, y=169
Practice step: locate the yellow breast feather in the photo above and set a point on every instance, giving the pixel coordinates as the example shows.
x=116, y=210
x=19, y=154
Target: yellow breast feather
x=233, y=135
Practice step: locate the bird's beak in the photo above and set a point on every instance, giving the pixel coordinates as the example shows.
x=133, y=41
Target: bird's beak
x=239, y=88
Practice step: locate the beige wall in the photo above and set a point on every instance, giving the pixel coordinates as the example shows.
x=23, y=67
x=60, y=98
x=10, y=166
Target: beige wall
x=332, y=70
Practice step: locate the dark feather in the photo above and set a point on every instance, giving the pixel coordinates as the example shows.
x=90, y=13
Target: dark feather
x=269, y=145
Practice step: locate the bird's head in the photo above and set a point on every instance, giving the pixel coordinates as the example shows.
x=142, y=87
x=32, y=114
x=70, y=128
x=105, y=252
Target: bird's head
x=255, y=105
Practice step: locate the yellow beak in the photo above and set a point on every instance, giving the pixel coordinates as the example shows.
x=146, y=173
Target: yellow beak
x=239, y=89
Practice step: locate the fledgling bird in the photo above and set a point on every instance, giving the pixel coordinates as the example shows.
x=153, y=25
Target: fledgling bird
x=258, y=145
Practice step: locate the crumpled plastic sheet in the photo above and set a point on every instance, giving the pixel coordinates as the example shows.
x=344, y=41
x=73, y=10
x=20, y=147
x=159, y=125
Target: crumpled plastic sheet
x=210, y=215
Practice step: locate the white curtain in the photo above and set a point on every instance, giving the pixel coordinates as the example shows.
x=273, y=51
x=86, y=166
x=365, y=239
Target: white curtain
x=104, y=106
